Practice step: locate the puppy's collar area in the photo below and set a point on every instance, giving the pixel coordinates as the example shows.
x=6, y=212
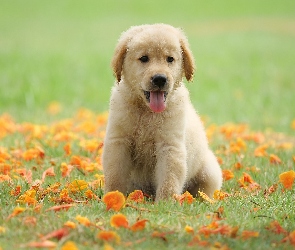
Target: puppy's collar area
x=156, y=100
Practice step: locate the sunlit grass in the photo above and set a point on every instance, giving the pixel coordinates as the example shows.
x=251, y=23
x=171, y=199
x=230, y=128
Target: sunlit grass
x=58, y=163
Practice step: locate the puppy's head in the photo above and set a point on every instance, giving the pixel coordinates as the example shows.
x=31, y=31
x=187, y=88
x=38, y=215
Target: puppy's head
x=152, y=60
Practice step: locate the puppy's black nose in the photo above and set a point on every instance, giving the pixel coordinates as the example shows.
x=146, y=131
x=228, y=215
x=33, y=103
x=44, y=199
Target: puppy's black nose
x=159, y=80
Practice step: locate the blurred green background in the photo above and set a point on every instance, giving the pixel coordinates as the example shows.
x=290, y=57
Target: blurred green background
x=61, y=51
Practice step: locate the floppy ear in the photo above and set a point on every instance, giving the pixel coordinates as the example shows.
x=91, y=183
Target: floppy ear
x=118, y=58
x=121, y=50
x=188, y=59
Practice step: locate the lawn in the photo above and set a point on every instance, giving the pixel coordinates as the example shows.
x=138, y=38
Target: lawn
x=55, y=81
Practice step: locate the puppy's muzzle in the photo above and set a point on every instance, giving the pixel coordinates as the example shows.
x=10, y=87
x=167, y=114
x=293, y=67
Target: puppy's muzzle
x=156, y=97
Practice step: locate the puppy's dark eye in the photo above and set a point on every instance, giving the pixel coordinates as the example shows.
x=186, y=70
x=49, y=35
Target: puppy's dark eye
x=170, y=59
x=144, y=59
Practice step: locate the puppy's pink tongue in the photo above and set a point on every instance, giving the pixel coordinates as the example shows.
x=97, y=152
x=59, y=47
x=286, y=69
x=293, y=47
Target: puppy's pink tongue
x=157, y=101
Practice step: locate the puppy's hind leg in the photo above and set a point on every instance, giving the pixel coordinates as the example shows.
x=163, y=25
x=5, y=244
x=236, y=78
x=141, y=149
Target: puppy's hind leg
x=209, y=177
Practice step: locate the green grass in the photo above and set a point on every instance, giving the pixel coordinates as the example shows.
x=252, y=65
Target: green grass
x=244, y=210
x=61, y=51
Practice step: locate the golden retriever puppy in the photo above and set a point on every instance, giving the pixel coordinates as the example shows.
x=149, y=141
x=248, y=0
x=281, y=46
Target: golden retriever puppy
x=155, y=140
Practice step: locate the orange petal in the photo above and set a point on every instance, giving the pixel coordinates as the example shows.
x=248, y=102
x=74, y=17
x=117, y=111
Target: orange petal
x=60, y=207
x=287, y=179
x=90, y=195
x=69, y=245
x=276, y=228
x=219, y=195
x=119, y=220
x=83, y=220
x=274, y=159
x=227, y=174
x=66, y=169
x=30, y=221
x=271, y=189
x=139, y=225
x=75, y=160
x=26, y=174
x=4, y=177
x=189, y=229
x=77, y=185
x=292, y=237
x=16, y=211
x=185, y=197
x=67, y=148
x=59, y=233
x=206, y=197
x=70, y=224
x=16, y=191
x=136, y=196
x=245, y=180
x=261, y=151
x=249, y=234
x=28, y=197
x=109, y=236
x=48, y=172
x=44, y=244
x=33, y=153
x=114, y=200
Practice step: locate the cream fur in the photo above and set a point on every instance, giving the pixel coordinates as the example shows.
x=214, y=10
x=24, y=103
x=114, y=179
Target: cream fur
x=162, y=153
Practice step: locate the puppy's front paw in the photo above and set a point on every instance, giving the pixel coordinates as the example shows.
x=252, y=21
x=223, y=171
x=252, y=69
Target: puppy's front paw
x=165, y=193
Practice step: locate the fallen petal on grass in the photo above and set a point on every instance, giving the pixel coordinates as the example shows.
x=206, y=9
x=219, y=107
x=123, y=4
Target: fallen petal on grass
x=119, y=220
x=16, y=211
x=61, y=207
x=205, y=197
x=136, y=196
x=248, y=234
x=83, y=220
x=114, y=200
x=287, y=179
x=58, y=234
x=41, y=244
x=109, y=236
x=69, y=245
x=138, y=225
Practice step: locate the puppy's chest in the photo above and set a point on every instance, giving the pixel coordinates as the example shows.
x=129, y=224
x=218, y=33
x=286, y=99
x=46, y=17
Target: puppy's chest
x=143, y=139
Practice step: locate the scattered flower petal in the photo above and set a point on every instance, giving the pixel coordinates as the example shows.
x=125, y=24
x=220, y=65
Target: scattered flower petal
x=58, y=234
x=185, y=198
x=77, y=185
x=69, y=245
x=287, y=179
x=83, y=220
x=16, y=211
x=227, y=174
x=138, y=225
x=41, y=244
x=119, y=220
x=249, y=234
x=60, y=207
x=109, y=236
x=114, y=200
x=274, y=159
x=136, y=196
x=205, y=197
